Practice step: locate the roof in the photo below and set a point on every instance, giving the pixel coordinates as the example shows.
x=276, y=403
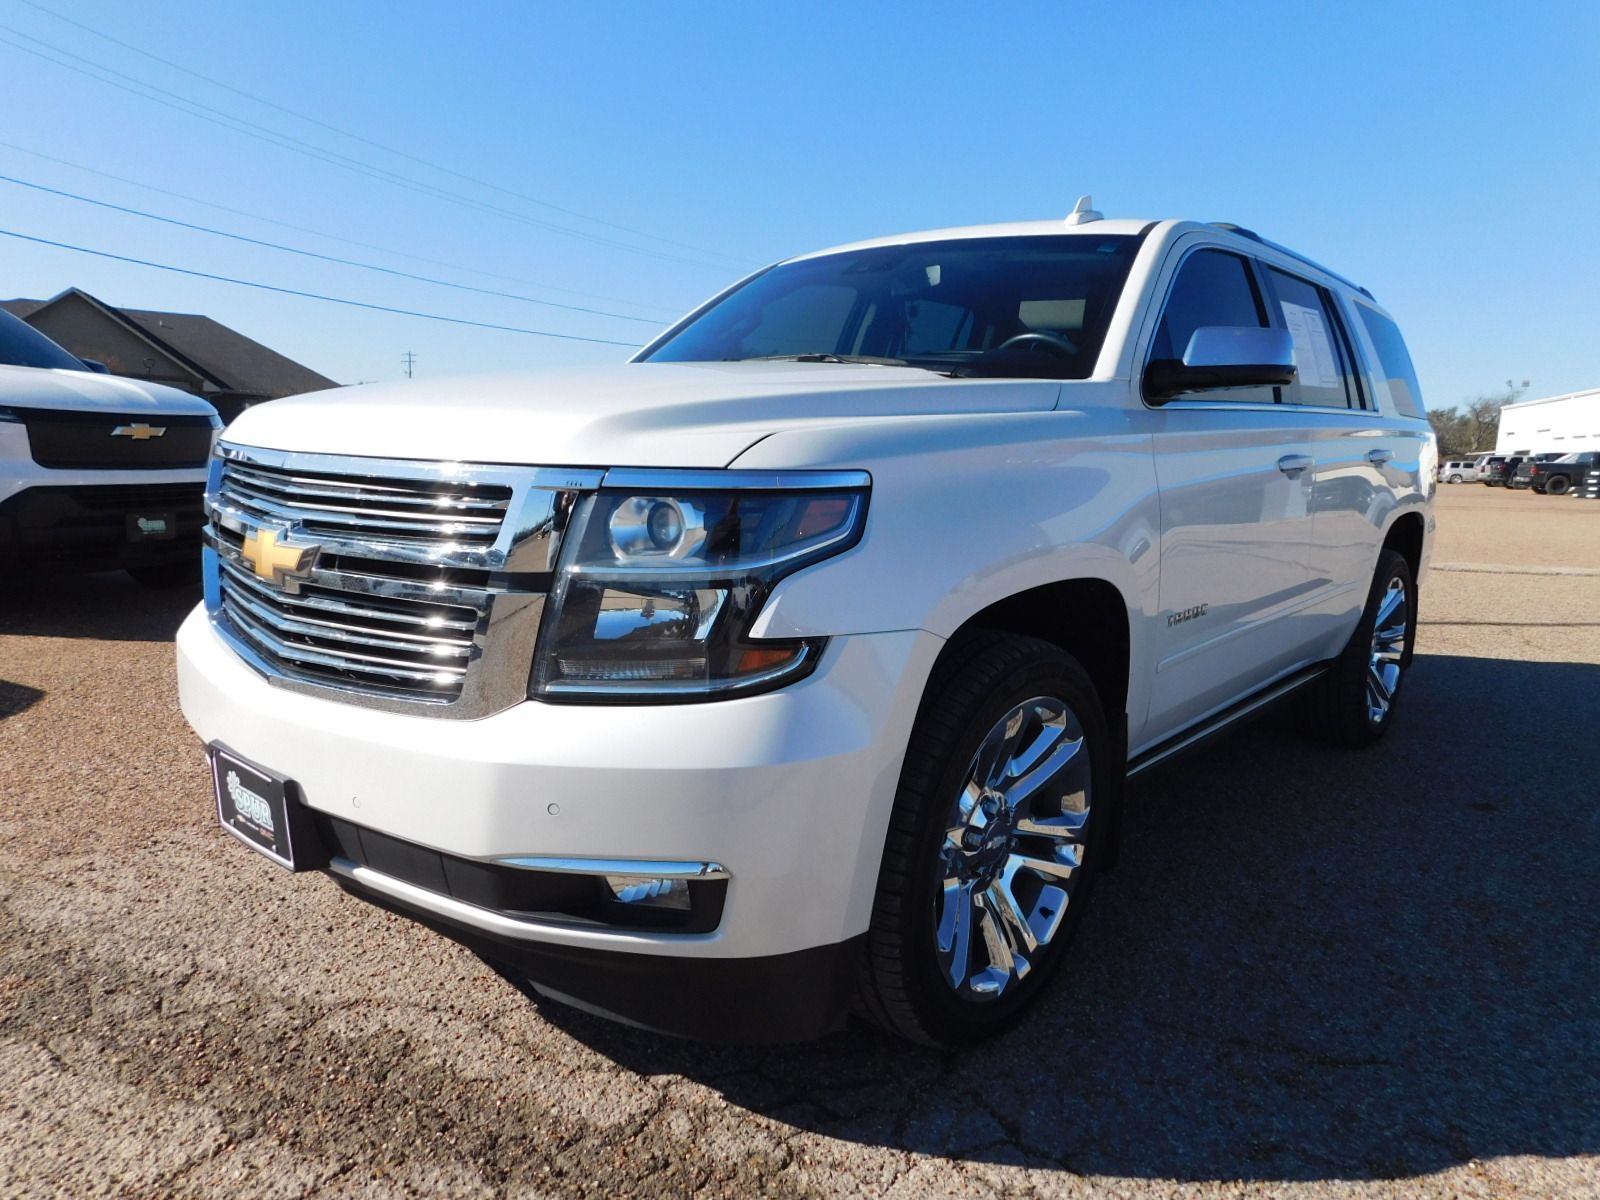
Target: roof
x=21, y=308
x=1587, y=393
x=241, y=363
x=1099, y=227
x=227, y=358
x=1011, y=229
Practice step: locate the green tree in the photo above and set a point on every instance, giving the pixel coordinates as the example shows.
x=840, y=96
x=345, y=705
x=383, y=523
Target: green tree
x=1473, y=428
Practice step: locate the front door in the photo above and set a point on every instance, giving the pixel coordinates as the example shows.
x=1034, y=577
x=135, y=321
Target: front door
x=1235, y=473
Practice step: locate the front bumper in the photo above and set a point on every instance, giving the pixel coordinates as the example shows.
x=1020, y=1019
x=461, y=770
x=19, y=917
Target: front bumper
x=87, y=527
x=789, y=791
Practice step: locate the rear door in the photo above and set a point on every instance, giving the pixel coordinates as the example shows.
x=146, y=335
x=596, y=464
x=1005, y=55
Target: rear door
x=1362, y=456
x=1234, y=473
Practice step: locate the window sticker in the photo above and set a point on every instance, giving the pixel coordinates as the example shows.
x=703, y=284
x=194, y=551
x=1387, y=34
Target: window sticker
x=1313, y=352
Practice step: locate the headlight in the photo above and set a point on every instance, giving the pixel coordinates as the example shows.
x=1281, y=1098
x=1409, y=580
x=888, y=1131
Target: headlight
x=9, y=414
x=658, y=587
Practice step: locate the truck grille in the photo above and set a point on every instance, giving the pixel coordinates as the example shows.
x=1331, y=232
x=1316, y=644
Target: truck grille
x=66, y=439
x=442, y=511
x=344, y=638
x=398, y=584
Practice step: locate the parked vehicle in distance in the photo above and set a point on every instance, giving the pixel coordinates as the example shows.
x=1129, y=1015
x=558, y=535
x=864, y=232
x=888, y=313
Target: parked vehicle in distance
x=796, y=665
x=1458, y=471
x=1517, y=476
x=97, y=471
x=1498, y=469
x=1556, y=474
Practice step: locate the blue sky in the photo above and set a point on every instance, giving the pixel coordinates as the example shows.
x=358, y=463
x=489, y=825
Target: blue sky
x=1447, y=156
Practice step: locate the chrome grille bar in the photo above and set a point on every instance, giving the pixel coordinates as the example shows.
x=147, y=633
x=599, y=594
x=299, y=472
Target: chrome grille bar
x=261, y=602
x=452, y=510
x=332, y=488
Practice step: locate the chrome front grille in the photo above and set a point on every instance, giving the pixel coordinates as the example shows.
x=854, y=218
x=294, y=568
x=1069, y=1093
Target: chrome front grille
x=457, y=511
x=412, y=586
x=324, y=633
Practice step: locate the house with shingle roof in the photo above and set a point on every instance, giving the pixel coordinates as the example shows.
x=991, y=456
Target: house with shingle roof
x=182, y=350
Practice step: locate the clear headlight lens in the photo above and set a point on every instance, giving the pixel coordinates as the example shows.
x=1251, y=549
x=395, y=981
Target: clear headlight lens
x=658, y=590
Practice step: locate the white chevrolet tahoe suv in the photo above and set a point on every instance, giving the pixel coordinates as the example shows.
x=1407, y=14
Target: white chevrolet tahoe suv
x=796, y=665
x=96, y=471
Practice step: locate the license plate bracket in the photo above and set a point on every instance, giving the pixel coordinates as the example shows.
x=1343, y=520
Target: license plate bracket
x=263, y=810
x=152, y=526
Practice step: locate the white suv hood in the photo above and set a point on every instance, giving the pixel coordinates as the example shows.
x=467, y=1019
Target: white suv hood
x=632, y=414
x=88, y=391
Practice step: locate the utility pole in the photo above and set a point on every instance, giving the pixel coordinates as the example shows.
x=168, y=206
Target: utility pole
x=409, y=359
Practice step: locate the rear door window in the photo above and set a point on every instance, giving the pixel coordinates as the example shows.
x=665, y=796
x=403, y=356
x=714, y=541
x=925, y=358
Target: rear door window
x=1323, y=369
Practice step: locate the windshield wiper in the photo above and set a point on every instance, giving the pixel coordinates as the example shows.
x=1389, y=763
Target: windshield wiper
x=819, y=356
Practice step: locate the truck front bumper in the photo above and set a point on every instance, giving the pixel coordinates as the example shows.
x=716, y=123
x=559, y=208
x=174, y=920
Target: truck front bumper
x=788, y=794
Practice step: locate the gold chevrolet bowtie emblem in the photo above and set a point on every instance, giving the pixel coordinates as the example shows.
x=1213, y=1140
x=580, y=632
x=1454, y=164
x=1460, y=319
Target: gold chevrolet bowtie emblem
x=274, y=560
x=139, y=431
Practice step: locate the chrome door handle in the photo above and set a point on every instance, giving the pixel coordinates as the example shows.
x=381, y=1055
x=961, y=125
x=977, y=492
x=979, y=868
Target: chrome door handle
x=1379, y=456
x=1290, y=463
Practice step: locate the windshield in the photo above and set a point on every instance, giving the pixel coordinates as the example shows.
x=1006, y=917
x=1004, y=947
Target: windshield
x=1032, y=307
x=21, y=345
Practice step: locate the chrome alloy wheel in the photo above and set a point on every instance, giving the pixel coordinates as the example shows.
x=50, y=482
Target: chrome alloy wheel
x=1014, y=841
x=1388, y=648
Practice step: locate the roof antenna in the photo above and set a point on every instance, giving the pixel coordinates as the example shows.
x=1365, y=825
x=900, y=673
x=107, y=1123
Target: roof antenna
x=1083, y=212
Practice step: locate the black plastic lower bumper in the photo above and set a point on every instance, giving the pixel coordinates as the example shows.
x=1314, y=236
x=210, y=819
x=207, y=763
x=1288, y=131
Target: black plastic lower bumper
x=101, y=526
x=775, y=998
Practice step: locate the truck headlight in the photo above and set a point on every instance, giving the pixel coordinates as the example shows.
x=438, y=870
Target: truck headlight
x=658, y=587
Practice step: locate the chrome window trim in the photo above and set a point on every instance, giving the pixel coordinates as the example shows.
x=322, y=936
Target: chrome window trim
x=1365, y=414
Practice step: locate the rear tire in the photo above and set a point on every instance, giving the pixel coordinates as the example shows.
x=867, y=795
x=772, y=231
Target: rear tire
x=1353, y=703
x=998, y=827
x=1557, y=485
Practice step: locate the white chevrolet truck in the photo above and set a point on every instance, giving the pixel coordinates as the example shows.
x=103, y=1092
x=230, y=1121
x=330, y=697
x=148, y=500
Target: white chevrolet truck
x=97, y=472
x=795, y=666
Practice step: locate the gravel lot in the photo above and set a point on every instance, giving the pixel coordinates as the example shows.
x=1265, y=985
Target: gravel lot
x=1316, y=972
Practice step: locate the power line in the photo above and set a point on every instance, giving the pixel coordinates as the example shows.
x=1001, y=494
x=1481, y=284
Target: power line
x=408, y=360
x=166, y=62
x=348, y=262
x=267, y=287
x=332, y=237
x=204, y=112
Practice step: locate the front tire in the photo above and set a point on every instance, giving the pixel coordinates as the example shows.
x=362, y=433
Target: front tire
x=1455, y=479
x=1353, y=703
x=998, y=827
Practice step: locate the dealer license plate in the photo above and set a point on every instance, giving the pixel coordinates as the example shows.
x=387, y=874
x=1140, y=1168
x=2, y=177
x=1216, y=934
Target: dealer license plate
x=256, y=806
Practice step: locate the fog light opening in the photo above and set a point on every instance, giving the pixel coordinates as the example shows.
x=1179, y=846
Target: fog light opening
x=645, y=892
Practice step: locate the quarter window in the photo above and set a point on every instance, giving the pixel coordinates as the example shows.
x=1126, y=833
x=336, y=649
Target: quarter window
x=1322, y=362
x=1395, y=360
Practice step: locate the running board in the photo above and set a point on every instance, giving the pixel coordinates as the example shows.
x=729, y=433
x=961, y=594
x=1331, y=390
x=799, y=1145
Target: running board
x=1225, y=719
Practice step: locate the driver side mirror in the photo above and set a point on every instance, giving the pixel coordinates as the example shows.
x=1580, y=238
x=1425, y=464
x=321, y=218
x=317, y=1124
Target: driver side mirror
x=1223, y=356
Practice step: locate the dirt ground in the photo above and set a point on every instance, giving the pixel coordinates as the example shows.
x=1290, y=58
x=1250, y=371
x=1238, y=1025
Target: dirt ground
x=1315, y=973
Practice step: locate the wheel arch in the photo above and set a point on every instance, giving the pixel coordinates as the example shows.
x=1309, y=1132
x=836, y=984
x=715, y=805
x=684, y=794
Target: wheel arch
x=1087, y=617
x=1405, y=537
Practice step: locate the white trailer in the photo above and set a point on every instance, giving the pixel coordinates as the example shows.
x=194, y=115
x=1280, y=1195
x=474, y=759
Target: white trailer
x=1554, y=425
